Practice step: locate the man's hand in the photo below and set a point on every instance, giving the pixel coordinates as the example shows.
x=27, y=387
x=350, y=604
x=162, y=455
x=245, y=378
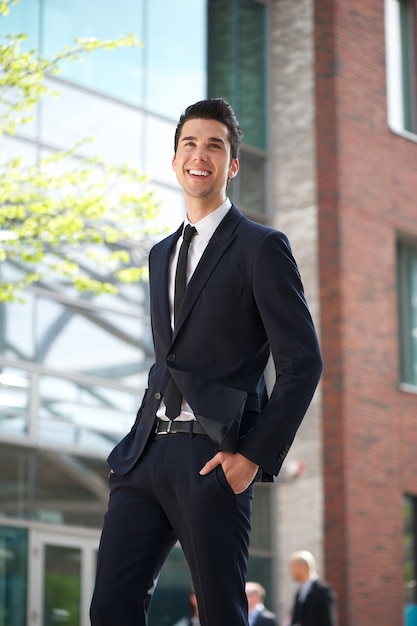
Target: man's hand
x=238, y=470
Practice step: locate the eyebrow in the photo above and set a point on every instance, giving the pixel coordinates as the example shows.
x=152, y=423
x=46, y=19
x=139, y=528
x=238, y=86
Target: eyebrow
x=210, y=139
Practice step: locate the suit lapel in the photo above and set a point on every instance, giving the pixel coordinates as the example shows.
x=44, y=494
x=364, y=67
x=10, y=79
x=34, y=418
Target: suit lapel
x=222, y=238
x=160, y=280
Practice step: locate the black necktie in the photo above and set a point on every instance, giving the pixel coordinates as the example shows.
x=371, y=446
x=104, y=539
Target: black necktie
x=172, y=396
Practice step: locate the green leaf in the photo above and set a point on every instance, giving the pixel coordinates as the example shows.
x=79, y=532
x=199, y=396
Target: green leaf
x=66, y=212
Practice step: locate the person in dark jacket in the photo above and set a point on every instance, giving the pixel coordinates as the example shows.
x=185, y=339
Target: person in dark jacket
x=192, y=618
x=315, y=601
x=258, y=614
x=225, y=295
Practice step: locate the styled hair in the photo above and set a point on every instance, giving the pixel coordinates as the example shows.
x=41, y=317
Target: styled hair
x=307, y=559
x=254, y=587
x=213, y=109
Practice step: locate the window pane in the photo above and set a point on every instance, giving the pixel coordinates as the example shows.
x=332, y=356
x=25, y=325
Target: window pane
x=407, y=280
x=252, y=42
x=62, y=586
x=116, y=128
x=222, y=77
x=14, y=400
x=410, y=560
x=16, y=328
x=236, y=72
x=261, y=538
x=84, y=415
x=23, y=19
x=252, y=183
x=236, y=62
x=96, y=343
x=77, y=338
x=118, y=72
x=408, y=68
x=400, y=27
x=260, y=570
x=52, y=487
x=13, y=576
x=175, y=57
x=162, y=76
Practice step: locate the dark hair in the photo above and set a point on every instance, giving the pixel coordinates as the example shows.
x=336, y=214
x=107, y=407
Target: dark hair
x=213, y=109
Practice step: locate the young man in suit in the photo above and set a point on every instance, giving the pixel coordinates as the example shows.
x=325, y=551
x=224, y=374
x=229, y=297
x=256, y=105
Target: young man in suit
x=257, y=613
x=206, y=429
x=315, y=601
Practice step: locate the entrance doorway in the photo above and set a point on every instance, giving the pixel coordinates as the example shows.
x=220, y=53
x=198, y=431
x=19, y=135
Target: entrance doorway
x=61, y=578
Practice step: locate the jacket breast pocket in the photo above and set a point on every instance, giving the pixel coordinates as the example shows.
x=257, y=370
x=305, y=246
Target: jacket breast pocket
x=223, y=291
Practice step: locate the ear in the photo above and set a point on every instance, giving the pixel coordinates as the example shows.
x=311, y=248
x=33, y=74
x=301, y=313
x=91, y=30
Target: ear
x=233, y=168
x=174, y=160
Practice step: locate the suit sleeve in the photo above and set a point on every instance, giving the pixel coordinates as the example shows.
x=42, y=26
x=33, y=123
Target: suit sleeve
x=327, y=607
x=293, y=342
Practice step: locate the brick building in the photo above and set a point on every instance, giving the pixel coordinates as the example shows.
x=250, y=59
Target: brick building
x=348, y=162
x=346, y=155
x=367, y=212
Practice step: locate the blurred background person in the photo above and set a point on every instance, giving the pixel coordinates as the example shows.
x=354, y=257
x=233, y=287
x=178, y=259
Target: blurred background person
x=192, y=618
x=315, y=600
x=257, y=613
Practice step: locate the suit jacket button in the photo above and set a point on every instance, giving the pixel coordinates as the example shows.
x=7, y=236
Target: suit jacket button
x=158, y=396
x=171, y=357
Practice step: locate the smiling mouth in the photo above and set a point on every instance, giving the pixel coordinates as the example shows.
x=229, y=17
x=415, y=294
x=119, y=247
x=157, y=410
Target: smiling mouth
x=201, y=173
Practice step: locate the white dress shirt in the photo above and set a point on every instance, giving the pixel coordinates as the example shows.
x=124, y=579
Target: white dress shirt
x=304, y=589
x=253, y=613
x=205, y=230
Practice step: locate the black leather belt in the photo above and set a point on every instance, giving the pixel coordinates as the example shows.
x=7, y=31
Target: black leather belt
x=170, y=427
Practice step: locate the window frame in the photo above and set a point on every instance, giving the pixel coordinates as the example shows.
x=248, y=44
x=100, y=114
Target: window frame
x=401, y=70
x=410, y=554
x=405, y=248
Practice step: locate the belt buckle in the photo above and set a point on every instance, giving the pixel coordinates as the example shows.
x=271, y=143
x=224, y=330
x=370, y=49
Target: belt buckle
x=164, y=432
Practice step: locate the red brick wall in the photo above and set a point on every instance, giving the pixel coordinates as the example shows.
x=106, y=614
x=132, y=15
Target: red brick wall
x=367, y=192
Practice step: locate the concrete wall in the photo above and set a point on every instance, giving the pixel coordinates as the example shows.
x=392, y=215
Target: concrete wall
x=298, y=500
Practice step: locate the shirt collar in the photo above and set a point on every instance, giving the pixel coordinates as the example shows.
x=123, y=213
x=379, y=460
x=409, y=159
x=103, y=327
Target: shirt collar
x=209, y=223
x=253, y=613
x=305, y=587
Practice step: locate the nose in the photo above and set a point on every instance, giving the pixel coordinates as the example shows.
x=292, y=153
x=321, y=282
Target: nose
x=200, y=154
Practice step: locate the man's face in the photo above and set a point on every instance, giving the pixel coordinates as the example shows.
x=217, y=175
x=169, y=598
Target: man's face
x=253, y=597
x=202, y=162
x=296, y=570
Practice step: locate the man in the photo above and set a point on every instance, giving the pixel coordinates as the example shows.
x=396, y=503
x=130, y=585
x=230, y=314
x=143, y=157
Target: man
x=192, y=617
x=315, y=602
x=206, y=429
x=257, y=613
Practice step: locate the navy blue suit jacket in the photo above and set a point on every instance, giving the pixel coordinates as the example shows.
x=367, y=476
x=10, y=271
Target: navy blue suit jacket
x=266, y=618
x=319, y=607
x=244, y=300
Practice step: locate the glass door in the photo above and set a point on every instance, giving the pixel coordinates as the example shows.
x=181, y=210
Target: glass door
x=61, y=576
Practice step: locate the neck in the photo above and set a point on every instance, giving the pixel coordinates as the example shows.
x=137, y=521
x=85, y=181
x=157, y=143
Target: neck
x=198, y=208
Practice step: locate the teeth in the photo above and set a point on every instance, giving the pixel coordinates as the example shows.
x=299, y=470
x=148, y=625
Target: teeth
x=199, y=173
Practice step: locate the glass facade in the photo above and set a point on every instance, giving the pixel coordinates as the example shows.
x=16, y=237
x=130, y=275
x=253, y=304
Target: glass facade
x=237, y=71
x=88, y=364
x=73, y=367
x=52, y=486
x=62, y=585
x=163, y=76
x=13, y=575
